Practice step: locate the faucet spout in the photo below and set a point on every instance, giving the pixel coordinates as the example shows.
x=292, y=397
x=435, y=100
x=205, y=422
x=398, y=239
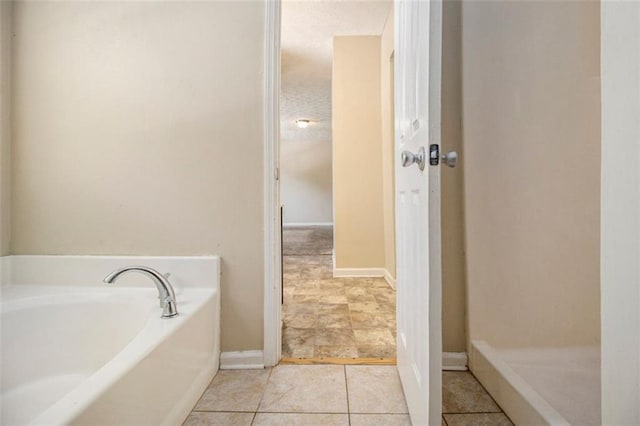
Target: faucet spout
x=165, y=290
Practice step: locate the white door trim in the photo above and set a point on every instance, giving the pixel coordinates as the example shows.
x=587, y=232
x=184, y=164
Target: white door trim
x=620, y=212
x=272, y=249
x=435, y=231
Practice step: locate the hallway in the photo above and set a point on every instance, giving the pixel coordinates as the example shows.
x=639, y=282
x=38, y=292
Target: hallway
x=327, y=317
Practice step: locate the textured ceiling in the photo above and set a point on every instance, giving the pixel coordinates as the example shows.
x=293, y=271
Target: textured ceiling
x=308, y=28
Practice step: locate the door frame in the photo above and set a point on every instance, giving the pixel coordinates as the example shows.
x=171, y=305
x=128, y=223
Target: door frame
x=435, y=211
x=620, y=210
x=272, y=336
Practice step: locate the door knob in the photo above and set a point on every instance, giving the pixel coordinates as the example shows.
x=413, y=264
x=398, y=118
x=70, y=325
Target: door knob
x=409, y=158
x=450, y=158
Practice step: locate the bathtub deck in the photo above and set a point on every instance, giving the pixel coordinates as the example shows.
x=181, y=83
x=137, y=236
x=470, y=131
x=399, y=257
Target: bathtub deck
x=568, y=378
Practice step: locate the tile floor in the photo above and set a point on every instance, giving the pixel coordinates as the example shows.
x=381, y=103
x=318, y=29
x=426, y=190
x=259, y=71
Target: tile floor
x=327, y=317
x=466, y=403
x=310, y=240
x=333, y=395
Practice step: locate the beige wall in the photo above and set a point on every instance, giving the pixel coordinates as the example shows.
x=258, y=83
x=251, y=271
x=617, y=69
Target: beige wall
x=138, y=130
x=5, y=127
x=388, y=148
x=305, y=154
x=453, y=256
x=357, y=163
x=305, y=181
x=531, y=111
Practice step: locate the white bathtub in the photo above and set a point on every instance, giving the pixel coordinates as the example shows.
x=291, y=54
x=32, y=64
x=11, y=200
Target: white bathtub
x=77, y=351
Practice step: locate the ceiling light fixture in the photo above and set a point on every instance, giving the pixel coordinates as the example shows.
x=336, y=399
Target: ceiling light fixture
x=302, y=123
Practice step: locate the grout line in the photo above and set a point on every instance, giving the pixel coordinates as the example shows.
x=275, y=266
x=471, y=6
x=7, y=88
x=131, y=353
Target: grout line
x=346, y=388
x=476, y=412
x=300, y=412
x=486, y=391
x=381, y=414
x=265, y=388
x=253, y=419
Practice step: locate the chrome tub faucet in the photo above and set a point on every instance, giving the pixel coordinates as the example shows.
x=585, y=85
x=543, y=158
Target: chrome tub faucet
x=165, y=290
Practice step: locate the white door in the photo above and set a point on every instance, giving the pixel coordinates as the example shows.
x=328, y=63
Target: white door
x=417, y=122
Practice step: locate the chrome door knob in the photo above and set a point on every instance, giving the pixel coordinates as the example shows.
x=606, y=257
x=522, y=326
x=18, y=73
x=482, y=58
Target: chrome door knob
x=408, y=158
x=450, y=158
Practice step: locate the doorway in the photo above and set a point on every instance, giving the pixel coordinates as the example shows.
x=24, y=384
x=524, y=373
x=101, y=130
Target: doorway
x=336, y=182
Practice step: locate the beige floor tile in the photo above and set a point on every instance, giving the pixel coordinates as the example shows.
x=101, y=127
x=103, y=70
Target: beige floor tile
x=303, y=352
x=462, y=393
x=373, y=351
x=311, y=290
x=478, y=419
x=290, y=275
x=380, y=420
x=356, y=291
x=333, y=298
x=369, y=320
x=296, y=337
x=308, y=298
x=333, y=321
x=305, y=389
x=361, y=298
x=298, y=308
x=336, y=308
x=299, y=320
x=385, y=296
x=374, y=336
x=307, y=283
x=370, y=307
x=218, y=418
x=375, y=389
x=353, y=282
x=378, y=283
x=336, y=352
x=331, y=285
x=234, y=390
x=294, y=419
x=335, y=337
x=312, y=240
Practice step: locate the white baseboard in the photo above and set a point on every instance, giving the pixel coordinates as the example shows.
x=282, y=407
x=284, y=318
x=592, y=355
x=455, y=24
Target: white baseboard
x=454, y=361
x=306, y=224
x=389, y=279
x=242, y=360
x=358, y=272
